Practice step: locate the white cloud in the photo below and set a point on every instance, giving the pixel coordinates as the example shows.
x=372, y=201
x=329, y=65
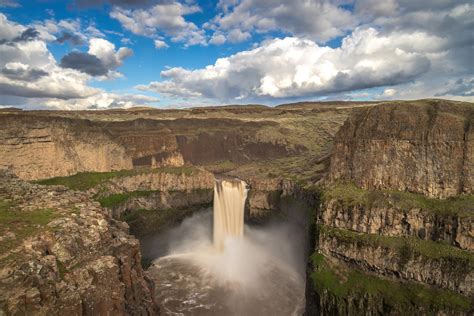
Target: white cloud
x=93, y=31
x=101, y=100
x=461, y=89
x=294, y=67
x=159, y=44
x=9, y=30
x=217, y=39
x=34, y=55
x=30, y=75
x=376, y=7
x=162, y=19
x=105, y=51
x=236, y=36
x=318, y=20
x=401, y=44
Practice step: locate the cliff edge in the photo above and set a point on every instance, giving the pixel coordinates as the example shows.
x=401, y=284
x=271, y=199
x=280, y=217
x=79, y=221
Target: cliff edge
x=423, y=146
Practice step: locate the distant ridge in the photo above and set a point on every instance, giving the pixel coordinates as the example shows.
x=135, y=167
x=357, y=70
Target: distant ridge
x=10, y=109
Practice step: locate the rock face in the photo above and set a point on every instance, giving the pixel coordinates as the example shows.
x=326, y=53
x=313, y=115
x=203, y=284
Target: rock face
x=159, y=191
x=449, y=272
x=396, y=213
x=264, y=197
x=160, y=181
x=453, y=229
x=77, y=260
x=38, y=147
x=425, y=147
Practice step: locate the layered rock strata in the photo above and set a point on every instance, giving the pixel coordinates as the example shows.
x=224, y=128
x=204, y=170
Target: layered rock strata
x=394, y=230
x=425, y=147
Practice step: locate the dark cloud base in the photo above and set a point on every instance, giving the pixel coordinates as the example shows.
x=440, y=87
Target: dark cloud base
x=85, y=63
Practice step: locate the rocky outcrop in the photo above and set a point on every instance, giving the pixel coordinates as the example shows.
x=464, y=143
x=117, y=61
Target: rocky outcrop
x=424, y=146
x=354, y=304
x=164, y=201
x=456, y=229
x=401, y=258
x=63, y=254
x=161, y=180
x=264, y=197
x=39, y=147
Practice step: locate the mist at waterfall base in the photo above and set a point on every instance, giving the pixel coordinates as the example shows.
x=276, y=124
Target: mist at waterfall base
x=258, y=272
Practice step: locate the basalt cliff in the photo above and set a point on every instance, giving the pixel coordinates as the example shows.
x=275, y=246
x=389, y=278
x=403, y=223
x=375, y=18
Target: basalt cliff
x=394, y=232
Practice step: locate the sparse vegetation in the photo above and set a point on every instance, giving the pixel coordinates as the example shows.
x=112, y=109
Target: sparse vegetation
x=350, y=195
x=21, y=224
x=406, y=246
x=117, y=199
x=87, y=180
x=343, y=282
x=221, y=166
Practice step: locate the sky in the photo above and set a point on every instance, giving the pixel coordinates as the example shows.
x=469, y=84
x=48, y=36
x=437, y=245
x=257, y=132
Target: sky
x=95, y=54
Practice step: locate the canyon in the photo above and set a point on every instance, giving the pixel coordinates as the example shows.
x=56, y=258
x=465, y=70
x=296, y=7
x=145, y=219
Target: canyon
x=382, y=192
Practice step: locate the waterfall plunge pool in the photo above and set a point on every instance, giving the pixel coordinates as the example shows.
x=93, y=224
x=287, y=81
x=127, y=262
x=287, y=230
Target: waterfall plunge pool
x=240, y=270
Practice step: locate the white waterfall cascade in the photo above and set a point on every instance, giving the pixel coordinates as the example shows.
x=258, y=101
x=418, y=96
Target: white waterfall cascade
x=229, y=204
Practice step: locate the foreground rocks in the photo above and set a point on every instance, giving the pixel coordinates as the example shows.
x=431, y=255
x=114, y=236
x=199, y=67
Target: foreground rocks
x=76, y=260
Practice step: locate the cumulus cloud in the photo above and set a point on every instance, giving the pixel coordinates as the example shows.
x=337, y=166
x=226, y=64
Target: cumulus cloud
x=127, y=3
x=31, y=77
x=72, y=38
x=236, y=36
x=159, y=44
x=19, y=71
x=166, y=19
x=294, y=67
x=101, y=100
x=319, y=20
x=105, y=51
x=29, y=58
x=376, y=8
x=401, y=43
x=217, y=39
x=463, y=87
x=100, y=60
x=27, y=35
x=84, y=62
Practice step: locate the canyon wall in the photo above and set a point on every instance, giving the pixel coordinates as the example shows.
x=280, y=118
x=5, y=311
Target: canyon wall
x=394, y=229
x=425, y=147
x=156, y=190
x=38, y=147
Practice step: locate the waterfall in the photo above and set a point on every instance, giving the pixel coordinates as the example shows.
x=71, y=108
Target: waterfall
x=229, y=204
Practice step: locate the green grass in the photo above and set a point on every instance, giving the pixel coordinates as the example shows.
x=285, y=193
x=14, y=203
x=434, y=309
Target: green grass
x=87, y=180
x=349, y=196
x=342, y=281
x=406, y=246
x=21, y=223
x=221, y=166
x=117, y=199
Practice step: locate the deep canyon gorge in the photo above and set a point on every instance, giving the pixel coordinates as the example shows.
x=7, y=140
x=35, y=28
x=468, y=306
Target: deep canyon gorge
x=332, y=208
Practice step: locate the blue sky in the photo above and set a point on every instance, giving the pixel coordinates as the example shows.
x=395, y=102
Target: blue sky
x=169, y=53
